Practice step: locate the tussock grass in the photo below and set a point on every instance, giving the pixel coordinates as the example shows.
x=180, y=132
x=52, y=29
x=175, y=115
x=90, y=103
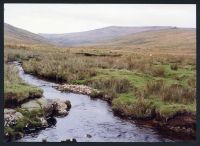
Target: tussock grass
x=138, y=82
x=118, y=85
x=192, y=82
x=169, y=93
x=111, y=86
x=158, y=72
x=174, y=67
x=15, y=90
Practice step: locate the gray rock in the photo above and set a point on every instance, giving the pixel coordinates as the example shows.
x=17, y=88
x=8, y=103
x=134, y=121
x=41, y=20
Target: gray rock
x=82, y=89
x=61, y=107
x=44, y=122
x=11, y=116
x=88, y=135
x=41, y=103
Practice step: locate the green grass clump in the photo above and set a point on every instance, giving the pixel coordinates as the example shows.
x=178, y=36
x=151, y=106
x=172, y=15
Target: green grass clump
x=10, y=134
x=21, y=92
x=118, y=85
x=130, y=106
x=158, y=71
x=174, y=66
x=111, y=86
x=30, y=120
x=15, y=90
x=176, y=93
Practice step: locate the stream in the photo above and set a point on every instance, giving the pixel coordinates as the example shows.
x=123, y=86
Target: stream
x=88, y=116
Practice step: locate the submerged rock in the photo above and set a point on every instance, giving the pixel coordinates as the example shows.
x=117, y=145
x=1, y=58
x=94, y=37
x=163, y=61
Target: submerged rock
x=88, y=135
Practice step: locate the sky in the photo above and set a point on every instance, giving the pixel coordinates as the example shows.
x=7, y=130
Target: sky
x=65, y=18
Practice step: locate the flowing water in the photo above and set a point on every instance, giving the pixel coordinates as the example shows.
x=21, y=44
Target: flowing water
x=88, y=116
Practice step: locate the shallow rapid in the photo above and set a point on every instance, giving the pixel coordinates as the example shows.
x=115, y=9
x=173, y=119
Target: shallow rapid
x=88, y=116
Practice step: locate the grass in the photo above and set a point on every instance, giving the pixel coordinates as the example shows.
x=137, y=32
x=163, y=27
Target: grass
x=130, y=105
x=15, y=90
x=138, y=83
x=30, y=120
x=111, y=86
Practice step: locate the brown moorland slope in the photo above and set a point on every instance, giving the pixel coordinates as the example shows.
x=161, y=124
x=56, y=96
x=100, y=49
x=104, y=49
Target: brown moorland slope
x=18, y=36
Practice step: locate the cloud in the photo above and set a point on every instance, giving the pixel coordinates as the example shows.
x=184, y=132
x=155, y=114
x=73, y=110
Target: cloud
x=63, y=18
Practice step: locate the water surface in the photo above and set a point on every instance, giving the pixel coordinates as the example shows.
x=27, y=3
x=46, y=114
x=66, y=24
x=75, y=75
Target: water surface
x=88, y=116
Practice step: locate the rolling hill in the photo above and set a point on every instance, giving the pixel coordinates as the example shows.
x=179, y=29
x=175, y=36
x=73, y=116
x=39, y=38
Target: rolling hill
x=14, y=35
x=97, y=35
x=166, y=38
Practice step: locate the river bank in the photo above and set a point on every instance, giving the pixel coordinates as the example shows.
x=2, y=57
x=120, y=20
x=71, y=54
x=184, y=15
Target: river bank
x=94, y=94
x=88, y=116
x=25, y=108
x=32, y=116
x=182, y=122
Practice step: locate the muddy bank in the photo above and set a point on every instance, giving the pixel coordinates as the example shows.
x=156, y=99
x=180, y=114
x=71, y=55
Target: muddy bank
x=182, y=123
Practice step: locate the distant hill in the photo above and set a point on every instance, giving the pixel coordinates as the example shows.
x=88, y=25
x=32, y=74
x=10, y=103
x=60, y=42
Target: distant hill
x=115, y=37
x=171, y=38
x=14, y=35
x=97, y=35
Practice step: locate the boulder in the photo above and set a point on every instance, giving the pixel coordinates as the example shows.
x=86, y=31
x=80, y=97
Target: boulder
x=41, y=103
x=51, y=107
x=61, y=107
x=11, y=116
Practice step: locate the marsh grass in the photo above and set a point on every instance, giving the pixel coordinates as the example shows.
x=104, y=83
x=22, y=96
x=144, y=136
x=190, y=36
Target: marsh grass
x=15, y=90
x=174, y=66
x=111, y=86
x=137, y=82
x=169, y=93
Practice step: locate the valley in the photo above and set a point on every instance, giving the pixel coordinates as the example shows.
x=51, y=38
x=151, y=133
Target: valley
x=146, y=75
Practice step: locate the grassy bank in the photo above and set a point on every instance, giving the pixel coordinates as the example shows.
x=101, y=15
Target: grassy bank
x=138, y=83
x=15, y=90
x=30, y=120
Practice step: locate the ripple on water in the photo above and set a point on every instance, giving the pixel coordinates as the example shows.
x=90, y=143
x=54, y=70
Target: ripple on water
x=93, y=117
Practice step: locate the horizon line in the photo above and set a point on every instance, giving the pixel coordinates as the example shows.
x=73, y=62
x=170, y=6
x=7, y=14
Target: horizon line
x=98, y=28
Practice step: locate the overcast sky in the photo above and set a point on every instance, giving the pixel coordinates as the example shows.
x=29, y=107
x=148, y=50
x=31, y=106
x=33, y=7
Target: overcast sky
x=64, y=18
